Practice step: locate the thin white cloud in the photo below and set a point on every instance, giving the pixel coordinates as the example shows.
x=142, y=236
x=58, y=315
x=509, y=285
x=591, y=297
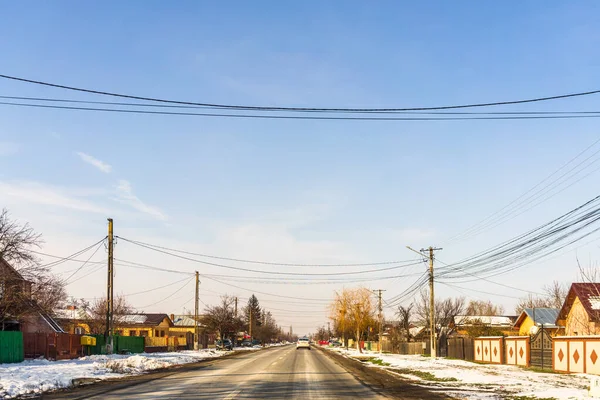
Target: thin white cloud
x=126, y=196
x=8, y=148
x=102, y=166
x=38, y=193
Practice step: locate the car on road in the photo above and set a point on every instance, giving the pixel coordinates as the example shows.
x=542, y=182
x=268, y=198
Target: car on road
x=224, y=345
x=303, y=343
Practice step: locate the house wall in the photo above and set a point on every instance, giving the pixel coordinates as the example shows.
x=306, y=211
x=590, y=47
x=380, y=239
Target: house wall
x=180, y=331
x=525, y=326
x=160, y=330
x=578, y=321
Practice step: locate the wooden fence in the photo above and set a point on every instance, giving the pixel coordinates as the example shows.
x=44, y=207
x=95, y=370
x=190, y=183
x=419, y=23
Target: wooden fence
x=517, y=350
x=52, y=346
x=461, y=348
x=489, y=349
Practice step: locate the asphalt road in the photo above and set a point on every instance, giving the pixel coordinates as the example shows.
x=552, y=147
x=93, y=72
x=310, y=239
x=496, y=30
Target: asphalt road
x=278, y=373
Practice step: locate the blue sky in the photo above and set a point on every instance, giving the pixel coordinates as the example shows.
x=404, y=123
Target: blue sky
x=295, y=191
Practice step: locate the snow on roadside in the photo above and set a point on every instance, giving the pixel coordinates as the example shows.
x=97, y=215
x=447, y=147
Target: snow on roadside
x=36, y=376
x=467, y=380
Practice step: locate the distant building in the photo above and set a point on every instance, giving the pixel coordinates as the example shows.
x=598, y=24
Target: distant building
x=147, y=325
x=531, y=319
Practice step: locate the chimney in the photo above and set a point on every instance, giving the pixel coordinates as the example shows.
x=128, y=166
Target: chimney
x=173, y=317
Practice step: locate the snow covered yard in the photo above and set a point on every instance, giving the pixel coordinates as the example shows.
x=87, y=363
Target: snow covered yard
x=36, y=376
x=467, y=380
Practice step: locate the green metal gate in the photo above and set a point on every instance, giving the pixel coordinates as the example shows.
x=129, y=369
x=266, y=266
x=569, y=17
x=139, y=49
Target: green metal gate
x=11, y=347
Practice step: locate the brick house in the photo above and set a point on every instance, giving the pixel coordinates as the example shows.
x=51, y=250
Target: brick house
x=18, y=311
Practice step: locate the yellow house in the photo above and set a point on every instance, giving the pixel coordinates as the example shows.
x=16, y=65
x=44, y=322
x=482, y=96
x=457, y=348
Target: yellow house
x=147, y=325
x=538, y=317
x=580, y=313
x=183, y=325
x=73, y=320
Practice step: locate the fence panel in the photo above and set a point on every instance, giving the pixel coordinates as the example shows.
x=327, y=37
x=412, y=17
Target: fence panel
x=132, y=344
x=11, y=347
x=35, y=345
x=517, y=350
x=576, y=354
x=489, y=349
x=460, y=348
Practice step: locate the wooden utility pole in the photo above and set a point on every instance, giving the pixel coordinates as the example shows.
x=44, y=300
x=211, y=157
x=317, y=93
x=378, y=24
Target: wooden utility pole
x=250, y=323
x=429, y=253
x=235, y=309
x=196, y=306
x=110, y=291
x=380, y=316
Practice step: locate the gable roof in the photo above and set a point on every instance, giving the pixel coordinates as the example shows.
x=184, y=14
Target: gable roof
x=546, y=316
x=12, y=269
x=589, y=295
x=144, y=319
x=71, y=314
x=184, y=320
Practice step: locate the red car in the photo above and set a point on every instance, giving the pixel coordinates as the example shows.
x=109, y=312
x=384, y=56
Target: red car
x=323, y=342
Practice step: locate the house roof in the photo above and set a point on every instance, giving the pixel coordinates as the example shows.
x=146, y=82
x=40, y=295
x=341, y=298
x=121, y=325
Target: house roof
x=76, y=313
x=184, y=320
x=7, y=265
x=539, y=316
x=589, y=295
x=144, y=319
x=415, y=330
x=492, y=320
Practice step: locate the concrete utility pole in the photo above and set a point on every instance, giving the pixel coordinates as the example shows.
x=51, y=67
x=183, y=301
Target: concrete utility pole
x=196, y=306
x=110, y=291
x=380, y=308
x=429, y=253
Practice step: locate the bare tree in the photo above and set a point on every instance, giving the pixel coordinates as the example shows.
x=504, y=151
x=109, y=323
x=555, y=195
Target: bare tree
x=480, y=307
x=97, y=313
x=445, y=310
x=221, y=318
x=554, y=296
x=556, y=293
x=404, y=314
x=39, y=289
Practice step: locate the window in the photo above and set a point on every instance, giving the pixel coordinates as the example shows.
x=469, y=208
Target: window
x=162, y=333
x=79, y=330
x=2, y=285
x=144, y=333
x=132, y=333
x=156, y=334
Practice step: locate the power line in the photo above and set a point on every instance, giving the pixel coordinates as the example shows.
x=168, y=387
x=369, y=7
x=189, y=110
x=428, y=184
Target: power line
x=478, y=291
x=265, y=262
x=297, y=117
x=61, y=260
x=501, y=216
x=149, y=105
x=169, y=296
x=151, y=247
x=66, y=281
x=303, y=109
x=156, y=288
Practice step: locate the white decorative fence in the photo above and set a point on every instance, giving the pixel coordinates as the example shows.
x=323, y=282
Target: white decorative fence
x=517, y=350
x=489, y=349
x=576, y=354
